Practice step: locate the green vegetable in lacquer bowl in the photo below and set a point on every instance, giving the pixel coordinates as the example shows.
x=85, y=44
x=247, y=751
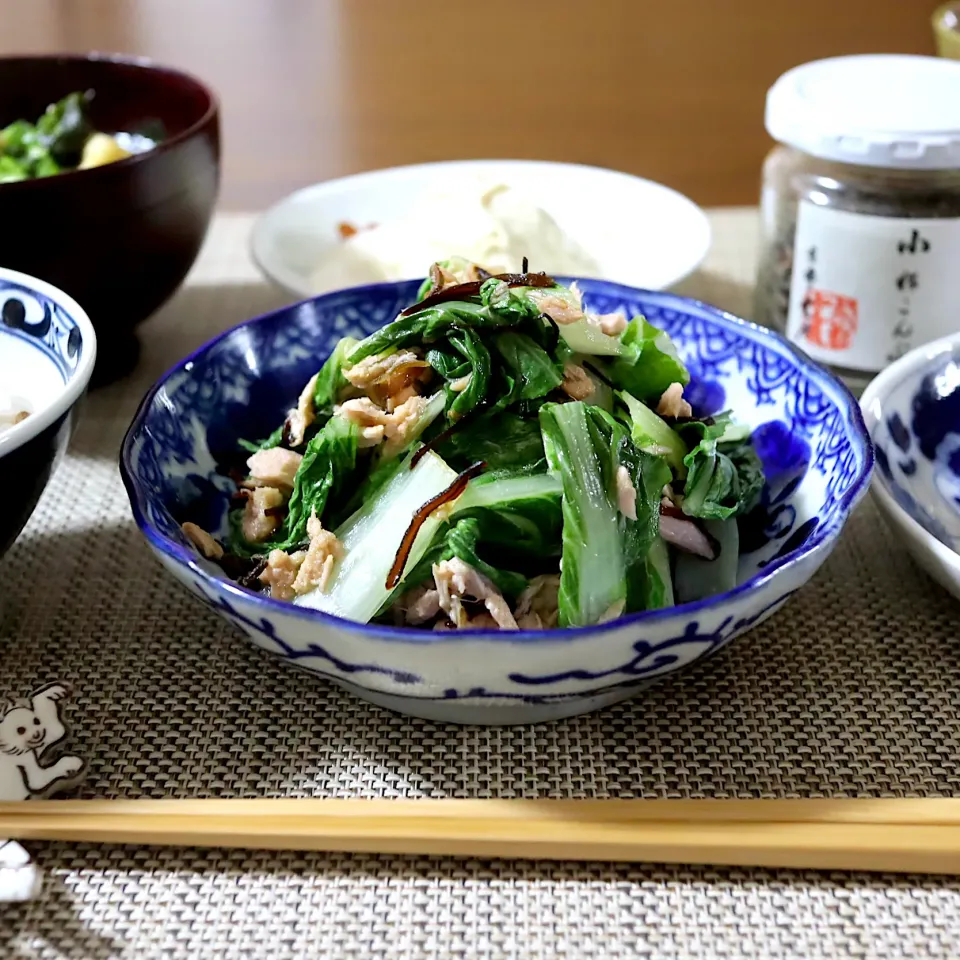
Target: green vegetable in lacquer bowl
x=64, y=139
x=516, y=500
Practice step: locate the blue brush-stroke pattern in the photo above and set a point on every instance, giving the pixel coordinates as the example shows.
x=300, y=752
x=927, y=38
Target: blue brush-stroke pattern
x=652, y=658
x=268, y=631
x=35, y=319
x=917, y=446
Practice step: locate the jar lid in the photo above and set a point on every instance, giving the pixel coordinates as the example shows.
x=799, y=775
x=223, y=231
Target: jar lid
x=878, y=110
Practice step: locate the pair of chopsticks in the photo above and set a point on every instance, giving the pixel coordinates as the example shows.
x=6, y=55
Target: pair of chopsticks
x=921, y=835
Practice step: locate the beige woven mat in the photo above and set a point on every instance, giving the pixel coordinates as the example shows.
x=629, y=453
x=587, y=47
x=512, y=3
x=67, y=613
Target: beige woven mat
x=852, y=689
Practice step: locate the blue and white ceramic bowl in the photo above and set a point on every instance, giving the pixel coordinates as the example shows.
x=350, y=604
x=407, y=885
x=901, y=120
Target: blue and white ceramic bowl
x=809, y=432
x=912, y=411
x=47, y=353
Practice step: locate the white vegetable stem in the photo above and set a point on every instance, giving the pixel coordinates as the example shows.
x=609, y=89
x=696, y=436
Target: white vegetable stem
x=652, y=435
x=658, y=564
x=508, y=489
x=584, y=337
x=371, y=538
x=696, y=578
x=593, y=573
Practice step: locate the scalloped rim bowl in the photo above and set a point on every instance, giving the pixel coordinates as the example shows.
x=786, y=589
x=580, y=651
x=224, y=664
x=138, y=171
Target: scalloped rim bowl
x=938, y=559
x=533, y=676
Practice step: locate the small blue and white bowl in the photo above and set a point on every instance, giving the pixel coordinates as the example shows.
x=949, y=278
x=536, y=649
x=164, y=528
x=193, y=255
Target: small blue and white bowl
x=809, y=433
x=912, y=410
x=47, y=354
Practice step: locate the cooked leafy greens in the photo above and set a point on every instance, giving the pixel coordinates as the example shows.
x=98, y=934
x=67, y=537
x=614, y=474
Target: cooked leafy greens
x=497, y=456
x=331, y=382
x=62, y=139
x=649, y=362
x=724, y=474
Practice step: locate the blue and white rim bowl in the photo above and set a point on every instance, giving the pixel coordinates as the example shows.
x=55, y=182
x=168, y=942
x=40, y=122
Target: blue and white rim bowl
x=810, y=435
x=47, y=355
x=912, y=410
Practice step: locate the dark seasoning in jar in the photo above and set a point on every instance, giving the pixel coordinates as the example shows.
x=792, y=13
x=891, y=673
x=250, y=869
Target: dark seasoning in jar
x=861, y=209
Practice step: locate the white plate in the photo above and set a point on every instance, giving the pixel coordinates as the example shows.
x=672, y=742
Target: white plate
x=640, y=232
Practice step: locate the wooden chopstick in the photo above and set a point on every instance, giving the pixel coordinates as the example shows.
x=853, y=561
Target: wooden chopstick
x=910, y=811
x=912, y=835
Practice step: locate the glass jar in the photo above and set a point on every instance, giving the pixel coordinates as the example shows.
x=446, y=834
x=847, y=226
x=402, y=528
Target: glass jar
x=860, y=210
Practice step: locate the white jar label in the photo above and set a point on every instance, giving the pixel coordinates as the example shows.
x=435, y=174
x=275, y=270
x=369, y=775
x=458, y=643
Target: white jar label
x=867, y=289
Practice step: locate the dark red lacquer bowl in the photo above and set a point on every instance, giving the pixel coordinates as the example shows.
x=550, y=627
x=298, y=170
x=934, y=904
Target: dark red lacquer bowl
x=118, y=238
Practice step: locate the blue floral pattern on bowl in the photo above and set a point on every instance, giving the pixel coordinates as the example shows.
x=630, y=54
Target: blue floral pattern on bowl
x=809, y=434
x=916, y=434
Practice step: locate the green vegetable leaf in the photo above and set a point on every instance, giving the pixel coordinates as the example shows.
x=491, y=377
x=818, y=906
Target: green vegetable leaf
x=428, y=325
x=497, y=306
x=467, y=343
x=325, y=471
x=379, y=476
x=574, y=484
x=517, y=513
x=56, y=141
x=660, y=591
x=593, y=583
x=11, y=170
x=24, y=154
x=331, y=380
x=450, y=365
x=463, y=540
x=611, y=563
x=501, y=440
x=750, y=473
x=513, y=303
x=724, y=477
x=576, y=335
x=15, y=138
x=649, y=363
x=327, y=465
x=588, y=339
x=64, y=128
x=652, y=435
x=531, y=365
x=45, y=166
x=719, y=427
x=648, y=587
x=274, y=440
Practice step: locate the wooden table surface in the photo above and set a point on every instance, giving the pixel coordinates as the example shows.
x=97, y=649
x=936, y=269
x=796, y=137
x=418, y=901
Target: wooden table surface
x=313, y=89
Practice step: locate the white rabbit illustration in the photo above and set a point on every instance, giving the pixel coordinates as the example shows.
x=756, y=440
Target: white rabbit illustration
x=26, y=730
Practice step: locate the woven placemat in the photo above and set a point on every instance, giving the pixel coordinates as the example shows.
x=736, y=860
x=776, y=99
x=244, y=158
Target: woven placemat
x=850, y=690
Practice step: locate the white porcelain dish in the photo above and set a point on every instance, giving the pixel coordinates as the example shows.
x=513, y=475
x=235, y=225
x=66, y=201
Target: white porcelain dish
x=912, y=411
x=639, y=232
x=47, y=354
